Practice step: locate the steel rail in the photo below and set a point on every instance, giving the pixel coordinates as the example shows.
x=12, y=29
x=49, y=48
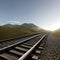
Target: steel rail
x=26, y=55
x=18, y=42
x=18, y=37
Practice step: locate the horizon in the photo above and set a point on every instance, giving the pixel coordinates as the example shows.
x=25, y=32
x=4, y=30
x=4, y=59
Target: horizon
x=33, y=24
x=43, y=13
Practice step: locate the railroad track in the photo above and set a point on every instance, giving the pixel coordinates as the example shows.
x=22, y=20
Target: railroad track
x=28, y=48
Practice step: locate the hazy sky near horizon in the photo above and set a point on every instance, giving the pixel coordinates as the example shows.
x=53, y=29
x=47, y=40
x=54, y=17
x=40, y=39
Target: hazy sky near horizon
x=43, y=13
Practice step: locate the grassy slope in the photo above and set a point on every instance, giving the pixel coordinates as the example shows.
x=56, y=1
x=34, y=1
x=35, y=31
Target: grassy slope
x=6, y=32
x=57, y=33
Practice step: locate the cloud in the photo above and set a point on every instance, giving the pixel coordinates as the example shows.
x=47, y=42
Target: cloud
x=14, y=22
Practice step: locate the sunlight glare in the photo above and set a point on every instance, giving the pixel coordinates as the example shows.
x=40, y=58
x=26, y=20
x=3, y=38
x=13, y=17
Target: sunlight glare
x=52, y=27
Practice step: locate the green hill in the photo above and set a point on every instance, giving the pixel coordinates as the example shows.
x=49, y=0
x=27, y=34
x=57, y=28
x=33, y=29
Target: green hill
x=57, y=33
x=11, y=32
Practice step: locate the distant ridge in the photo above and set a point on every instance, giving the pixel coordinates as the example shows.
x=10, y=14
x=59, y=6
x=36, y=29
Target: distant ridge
x=10, y=25
x=30, y=26
x=26, y=25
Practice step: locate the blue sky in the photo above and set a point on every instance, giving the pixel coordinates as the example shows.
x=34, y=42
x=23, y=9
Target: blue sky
x=44, y=13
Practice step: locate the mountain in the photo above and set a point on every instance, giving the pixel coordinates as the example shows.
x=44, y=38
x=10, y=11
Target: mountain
x=25, y=25
x=30, y=26
x=10, y=25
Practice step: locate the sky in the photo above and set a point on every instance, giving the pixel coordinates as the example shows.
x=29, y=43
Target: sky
x=43, y=13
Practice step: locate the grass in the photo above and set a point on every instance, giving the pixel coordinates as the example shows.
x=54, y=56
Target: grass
x=57, y=33
x=7, y=32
